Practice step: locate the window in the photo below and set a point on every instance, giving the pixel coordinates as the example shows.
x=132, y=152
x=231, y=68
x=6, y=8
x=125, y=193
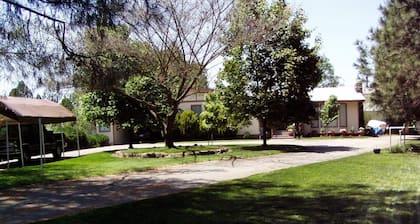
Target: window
x=333, y=124
x=343, y=115
x=197, y=109
x=315, y=121
x=103, y=128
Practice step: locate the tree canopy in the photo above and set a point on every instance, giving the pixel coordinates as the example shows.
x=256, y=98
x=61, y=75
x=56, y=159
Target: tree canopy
x=329, y=111
x=364, y=63
x=329, y=79
x=216, y=118
x=270, y=68
x=396, y=57
x=21, y=90
x=156, y=59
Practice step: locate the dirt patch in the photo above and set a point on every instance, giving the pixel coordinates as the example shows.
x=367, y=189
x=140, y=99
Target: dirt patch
x=125, y=154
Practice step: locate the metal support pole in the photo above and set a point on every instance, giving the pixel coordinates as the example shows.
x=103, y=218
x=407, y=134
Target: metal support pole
x=41, y=143
x=20, y=145
x=62, y=141
x=7, y=145
x=390, y=138
x=77, y=138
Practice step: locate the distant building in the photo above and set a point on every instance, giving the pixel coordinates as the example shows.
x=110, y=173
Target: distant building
x=350, y=114
x=370, y=110
x=116, y=135
x=195, y=100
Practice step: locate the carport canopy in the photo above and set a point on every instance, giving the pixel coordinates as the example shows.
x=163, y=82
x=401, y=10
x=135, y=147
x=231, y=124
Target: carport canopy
x=26, y=110
x=19, y=110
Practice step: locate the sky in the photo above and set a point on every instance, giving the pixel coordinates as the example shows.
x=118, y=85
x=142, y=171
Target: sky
x=340, y=23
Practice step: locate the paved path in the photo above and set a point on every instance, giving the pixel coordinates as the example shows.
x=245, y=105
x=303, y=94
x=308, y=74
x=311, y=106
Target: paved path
x=40, y=202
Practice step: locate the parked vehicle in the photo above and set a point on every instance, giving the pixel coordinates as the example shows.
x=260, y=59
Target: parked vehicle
x=30, y=142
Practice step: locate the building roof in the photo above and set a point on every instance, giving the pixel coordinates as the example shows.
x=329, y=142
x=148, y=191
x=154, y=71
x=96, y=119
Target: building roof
x=26, y=110
x=342, y=94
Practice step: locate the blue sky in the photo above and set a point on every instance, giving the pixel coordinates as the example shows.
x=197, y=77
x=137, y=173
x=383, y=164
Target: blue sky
x=340, y=23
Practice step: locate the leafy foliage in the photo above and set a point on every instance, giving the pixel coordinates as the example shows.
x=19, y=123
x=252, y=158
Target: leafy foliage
x=106, y=108
x=329, y=111
x=188, y=122
x=329, y=79
x=215, y=117
x=270, y=68
x=96, y=140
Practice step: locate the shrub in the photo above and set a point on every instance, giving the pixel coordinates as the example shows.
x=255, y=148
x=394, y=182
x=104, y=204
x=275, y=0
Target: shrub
x=400, y=148
x=247, y=135
x=188, y=123
x=96, y=140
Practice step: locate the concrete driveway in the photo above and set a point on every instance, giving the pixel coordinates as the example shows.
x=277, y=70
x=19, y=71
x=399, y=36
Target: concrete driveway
x=41, y=202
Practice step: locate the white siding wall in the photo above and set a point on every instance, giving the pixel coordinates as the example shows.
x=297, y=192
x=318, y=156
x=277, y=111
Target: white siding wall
x=253, y=128
x=352, y=120
x=352, y=116
x=187, y=105
x=194, y=99
x=116, y=136
x=109, y=133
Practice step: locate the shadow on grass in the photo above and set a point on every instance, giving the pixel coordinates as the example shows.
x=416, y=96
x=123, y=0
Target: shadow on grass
x=265, y=202
x=33, y=174
x=298, y=148
x=32, y=162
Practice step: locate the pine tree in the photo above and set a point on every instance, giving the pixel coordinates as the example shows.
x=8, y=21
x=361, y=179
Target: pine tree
x=396, y=56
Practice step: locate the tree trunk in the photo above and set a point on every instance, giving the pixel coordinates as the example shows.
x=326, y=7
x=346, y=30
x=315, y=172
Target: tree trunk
x=131, y=136
x=169, y=131
x=264, y=134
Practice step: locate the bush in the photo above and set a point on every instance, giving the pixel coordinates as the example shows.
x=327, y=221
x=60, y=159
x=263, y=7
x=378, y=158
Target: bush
x=400, y=148
x=188, y=124
x=247, y=135
x=96, y=140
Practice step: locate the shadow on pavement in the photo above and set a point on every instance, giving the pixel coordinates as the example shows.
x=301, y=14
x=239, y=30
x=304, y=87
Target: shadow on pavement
x=40, y=202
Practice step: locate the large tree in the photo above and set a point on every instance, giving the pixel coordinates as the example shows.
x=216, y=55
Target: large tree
x=396, y=57
x=270, y=67
x=159, y=57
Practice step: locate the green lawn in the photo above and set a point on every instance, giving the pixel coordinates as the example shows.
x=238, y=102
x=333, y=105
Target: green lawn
x=369, y=188
x=104, y=163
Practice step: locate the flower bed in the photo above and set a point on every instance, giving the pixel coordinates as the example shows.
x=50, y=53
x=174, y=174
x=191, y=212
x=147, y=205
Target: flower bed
x=128, y=154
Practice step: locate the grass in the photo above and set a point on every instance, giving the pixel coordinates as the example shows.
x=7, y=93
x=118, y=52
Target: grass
x=104, y=163
x=370, y=188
